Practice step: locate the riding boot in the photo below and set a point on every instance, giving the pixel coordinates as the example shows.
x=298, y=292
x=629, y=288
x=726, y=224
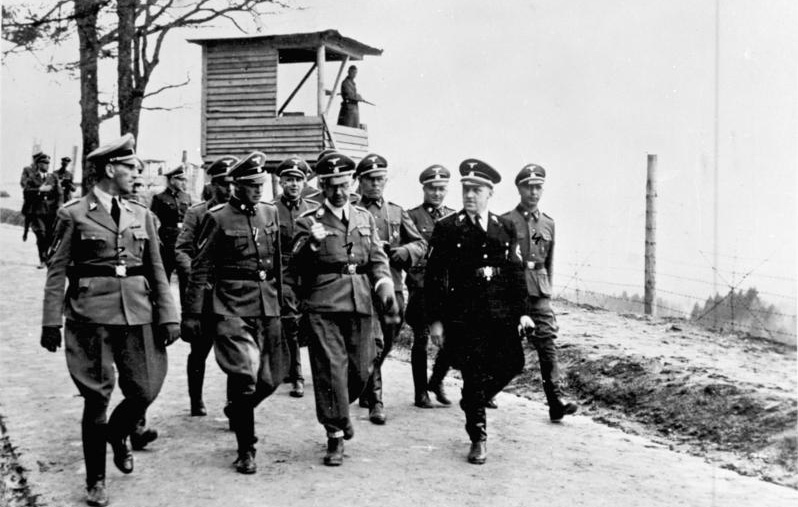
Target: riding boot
x=558, y=408
x=195, y=371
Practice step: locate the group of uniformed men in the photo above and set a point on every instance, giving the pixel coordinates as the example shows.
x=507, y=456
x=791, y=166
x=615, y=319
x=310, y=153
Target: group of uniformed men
x=323, y=267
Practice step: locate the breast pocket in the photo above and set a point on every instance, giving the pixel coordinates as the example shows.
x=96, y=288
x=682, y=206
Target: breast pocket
x=94, y=242
x=270, y=233
x=238, y=239
x=140, y=238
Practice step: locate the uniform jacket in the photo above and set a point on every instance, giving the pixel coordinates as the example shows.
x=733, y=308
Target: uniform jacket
x=320, y=276
x=35, y=201
x=289, y=212
x=349, y=114
x=85, y=234
x=230, y=240
x=185, y=246
x=67, y=183
x=536, y=238
x=170, y=207
x=455, y=285
x=422, y=218
x=395, y=227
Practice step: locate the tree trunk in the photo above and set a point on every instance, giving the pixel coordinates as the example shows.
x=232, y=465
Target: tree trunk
x=128, y=107
x=86, y=18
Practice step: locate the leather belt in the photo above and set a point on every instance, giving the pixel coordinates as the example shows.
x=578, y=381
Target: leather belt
x=488, y=272
x=119, y=271
x=257, y=275
x=344, y=269
x=534, y=265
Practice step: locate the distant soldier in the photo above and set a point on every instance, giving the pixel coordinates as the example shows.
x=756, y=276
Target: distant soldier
x=170, y=206
x=405, y=248
x=290, y=205
x=349, y=114
x=41, y=199
x=474, y=290
x=185, y=251
x=137, y=191
x=65, y=179
x=435, y=185
x=337, y=264
x=536, y=237
x=238, y=266
x=119, y=310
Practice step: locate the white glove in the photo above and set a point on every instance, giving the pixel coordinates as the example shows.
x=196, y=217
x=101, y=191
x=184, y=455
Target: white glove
x=525, y=326
x=318, y=232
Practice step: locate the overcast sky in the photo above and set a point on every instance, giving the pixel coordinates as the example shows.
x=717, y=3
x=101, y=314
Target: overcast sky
x=585, y=88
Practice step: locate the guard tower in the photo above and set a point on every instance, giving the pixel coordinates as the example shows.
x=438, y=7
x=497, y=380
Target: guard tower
x=239, y=96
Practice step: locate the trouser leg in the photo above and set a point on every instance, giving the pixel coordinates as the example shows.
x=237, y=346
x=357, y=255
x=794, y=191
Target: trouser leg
x=291, y=333
x=141, y=364
x=473, y=404
x=418, y=360
x=439, y=368
x=201, y=346
x=93, y=434
x=389, y=332
x=38, y=224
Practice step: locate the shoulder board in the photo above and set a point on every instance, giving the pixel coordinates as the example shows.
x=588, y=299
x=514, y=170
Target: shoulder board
x=360, y=208
x=390, y=203
x=266, y=203
x=72, y=201
x=547, y=216
x=218, y=207
x=203, y=203
x=313, y=211
x=133, y=201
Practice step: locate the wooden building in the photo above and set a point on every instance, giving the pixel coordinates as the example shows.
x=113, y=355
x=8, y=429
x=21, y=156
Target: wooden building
x=240, y=113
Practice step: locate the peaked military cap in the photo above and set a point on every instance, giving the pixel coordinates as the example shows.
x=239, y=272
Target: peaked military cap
x=119, y=150
x=219, y=167
x=41, y=157
x=477, y=172
x=434, y=174
x=531, y=174
x=66, y=159
x=335, y=168
x=177, y=172
x=324, y=153
x=293, y=166
x=250, y=169
x=372, y=165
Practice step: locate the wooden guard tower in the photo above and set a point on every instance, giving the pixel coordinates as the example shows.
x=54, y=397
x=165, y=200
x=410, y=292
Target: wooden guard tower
x=240, y=113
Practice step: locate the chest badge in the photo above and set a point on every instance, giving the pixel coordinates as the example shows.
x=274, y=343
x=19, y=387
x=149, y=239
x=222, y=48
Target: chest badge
x=120, y=270
x=487, y=272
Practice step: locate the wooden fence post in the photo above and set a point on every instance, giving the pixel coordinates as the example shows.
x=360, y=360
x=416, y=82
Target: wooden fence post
x=649, y=296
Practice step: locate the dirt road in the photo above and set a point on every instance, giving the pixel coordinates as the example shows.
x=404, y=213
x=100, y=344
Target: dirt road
x=417, y=458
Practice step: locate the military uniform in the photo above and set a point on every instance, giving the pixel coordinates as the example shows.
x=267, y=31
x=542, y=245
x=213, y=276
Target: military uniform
x=349, y=114
x=185, y=251
x=333, y=280
x=117, y=292
x=65, y=180
x=424, y=218
x=236, y=276
x=405, y=247
x=474, y=285
x=170, y=206
x=40, y=206
x=536, y=239
x=289, y=211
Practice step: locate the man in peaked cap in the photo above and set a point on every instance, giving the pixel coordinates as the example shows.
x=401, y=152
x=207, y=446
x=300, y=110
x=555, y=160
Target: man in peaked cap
x=185, y=251
x=293, y=173
x=236, y=275
x=337, y=262
x=118, y=307
x=536, y=239
x=170, y=206
x=405, y=248
x=435, y=185
x=474, y=290
x=42, y=195
x=65, y=179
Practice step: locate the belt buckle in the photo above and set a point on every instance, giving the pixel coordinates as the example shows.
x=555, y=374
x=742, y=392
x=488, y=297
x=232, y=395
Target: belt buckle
x=530, y=265
x=487, y=272
x=262, y=275
x=351, y=269
x=120, y=270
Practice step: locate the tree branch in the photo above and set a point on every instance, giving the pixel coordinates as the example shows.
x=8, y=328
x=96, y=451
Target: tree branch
x=168, y=87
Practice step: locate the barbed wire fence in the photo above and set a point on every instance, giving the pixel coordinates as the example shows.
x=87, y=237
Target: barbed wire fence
x=738, y=306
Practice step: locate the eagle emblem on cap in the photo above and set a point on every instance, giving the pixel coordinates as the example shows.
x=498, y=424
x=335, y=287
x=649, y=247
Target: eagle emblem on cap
x=334, y=160
x=471, y=165
x=373, y=159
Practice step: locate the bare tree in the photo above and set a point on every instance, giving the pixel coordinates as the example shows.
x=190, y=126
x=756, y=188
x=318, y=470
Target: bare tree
x=131, y=31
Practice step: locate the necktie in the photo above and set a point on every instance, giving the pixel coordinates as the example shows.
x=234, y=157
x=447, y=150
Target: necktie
x=115, y=210
x=478, y=222
x=344, y=220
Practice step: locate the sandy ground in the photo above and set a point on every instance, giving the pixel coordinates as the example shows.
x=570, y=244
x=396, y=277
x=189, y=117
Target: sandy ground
x=417, y=458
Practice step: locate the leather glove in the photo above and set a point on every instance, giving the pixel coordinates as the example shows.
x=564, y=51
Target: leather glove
x=51, y=338
x=317, y=233
x=526, y=327
x=189, y=328
x=389, y=308
x=436, y=333
x=169, y=333
x=398, y=256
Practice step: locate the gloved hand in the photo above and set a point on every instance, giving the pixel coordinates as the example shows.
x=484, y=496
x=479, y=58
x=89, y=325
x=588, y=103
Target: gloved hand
x=169, y=333
x=436, y=333
x=526, y=327
x=399, y=256
x=51, y=338
x=189, y=327
x=317, y=232
x=388, y=305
